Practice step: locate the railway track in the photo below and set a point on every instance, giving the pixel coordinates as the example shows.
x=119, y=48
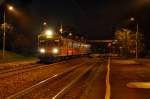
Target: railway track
x=56, y=86
x=17, y=82
x=27, y=67
x=70, y=87
x=84, y=88
x=17, y=70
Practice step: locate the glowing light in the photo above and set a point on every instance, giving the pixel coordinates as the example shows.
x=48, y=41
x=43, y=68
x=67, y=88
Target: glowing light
x=42, y=50
x=70, y=34
x=44, y=23
x=132, y=19
x=10, y=8
x=55, y=50
x=48, y=32
x=61, y=29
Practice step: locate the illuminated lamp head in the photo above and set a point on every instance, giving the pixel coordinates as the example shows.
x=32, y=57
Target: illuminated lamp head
x=42, y=50
x=49, y=33
x=55, y=50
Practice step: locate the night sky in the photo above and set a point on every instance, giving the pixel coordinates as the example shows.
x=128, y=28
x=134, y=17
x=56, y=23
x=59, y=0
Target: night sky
x=96, y=19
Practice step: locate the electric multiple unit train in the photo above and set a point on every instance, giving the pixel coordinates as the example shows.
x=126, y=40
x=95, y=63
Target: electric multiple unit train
x=53, y=45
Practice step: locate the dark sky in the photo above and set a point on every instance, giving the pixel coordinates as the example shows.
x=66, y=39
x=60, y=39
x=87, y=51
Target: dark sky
x=96, y=19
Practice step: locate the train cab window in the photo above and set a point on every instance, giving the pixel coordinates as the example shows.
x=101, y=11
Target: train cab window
x=52, y=43
x=48, y=42
x=42, y=42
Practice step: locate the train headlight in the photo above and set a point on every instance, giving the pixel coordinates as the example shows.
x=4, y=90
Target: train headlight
x=49, y=33
x=42, y=50
x=55, y=50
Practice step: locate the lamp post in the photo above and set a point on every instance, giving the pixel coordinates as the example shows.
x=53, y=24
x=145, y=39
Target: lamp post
x=61, y=29
x=4, y=35
x=70, y=35
x=10, y=8
x=61, y=38
x=137, y=30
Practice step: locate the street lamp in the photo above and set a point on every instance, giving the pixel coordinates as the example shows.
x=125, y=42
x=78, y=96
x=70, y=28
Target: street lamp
x=10, y=8
x=44, y=23
x=61, y=29
x=70, y=34
x=137, y=30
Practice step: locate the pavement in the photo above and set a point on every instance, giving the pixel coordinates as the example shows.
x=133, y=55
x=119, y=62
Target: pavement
x=126, y=74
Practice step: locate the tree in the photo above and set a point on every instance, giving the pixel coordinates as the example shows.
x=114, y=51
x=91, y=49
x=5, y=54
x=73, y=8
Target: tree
x=127, y=42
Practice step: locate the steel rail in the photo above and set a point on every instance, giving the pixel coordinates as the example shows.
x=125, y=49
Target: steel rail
x=29, y=68
x=29, y=89
x=69, y=86
x=88, y=89
x=18, y=68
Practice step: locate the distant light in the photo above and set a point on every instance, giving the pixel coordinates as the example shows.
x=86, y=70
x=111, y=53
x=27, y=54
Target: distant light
x=61, y=30
x=132, y=19
x=44, y=23
x=48, y=32
x=70, y=34
x=55, y=50
x=11, y=8
x=42, y=50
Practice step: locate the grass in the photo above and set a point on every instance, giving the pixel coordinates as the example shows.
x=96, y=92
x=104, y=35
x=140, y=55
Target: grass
x=11, y=56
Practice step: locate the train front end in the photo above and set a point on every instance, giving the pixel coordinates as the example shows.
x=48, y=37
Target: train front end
x=48, y=47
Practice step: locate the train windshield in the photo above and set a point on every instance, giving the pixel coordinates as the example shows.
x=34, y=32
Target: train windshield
x=48, y=42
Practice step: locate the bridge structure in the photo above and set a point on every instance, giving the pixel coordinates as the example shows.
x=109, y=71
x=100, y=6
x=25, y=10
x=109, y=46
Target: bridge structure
x=103, y=46
x=102, y=41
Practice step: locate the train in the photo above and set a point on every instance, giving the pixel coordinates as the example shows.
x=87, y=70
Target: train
x=52, y=46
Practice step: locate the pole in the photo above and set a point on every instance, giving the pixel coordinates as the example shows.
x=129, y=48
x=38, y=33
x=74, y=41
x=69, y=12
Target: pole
x=38, y=42
x=67, y=47
x=72, y=47
x=126, y=48
x=4, y=36
x=137, y=30
x=61, y=38
x=61, y=29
